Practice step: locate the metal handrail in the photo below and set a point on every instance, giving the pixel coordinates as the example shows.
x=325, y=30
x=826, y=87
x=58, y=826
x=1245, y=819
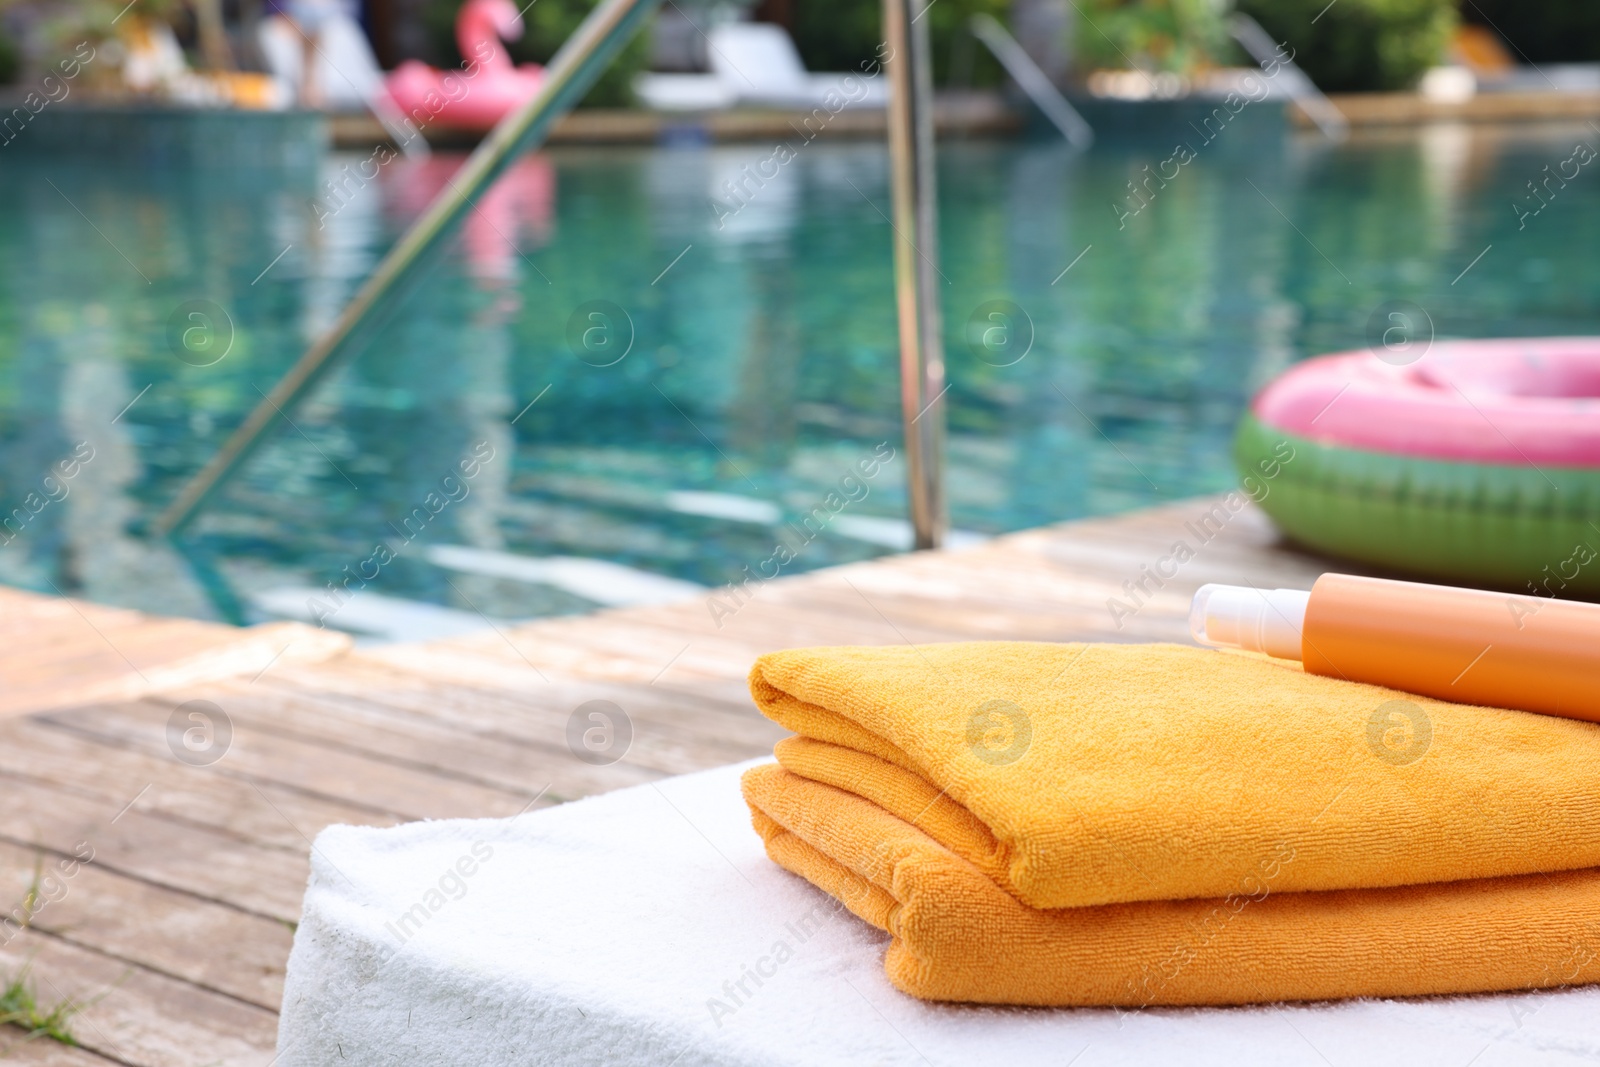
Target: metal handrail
x=1031, y=80
x=1301, y=89
x=916, y=264
x=570, y=74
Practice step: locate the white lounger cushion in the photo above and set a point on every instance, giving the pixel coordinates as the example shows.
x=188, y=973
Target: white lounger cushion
x=684, y=92
x=758, y=61
x=617, y=930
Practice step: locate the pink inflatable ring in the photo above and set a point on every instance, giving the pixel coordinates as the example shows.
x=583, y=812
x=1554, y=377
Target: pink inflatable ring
x=1479, y=462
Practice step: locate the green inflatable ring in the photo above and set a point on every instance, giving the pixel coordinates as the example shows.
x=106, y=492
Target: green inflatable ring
x=1513, y=527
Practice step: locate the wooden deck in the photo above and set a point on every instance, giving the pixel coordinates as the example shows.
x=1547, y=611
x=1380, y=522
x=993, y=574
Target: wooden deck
x=969, y=114
x=1414, y=109
x=174, y=938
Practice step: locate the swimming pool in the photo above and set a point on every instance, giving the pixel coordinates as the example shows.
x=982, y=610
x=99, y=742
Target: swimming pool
x=142, y=313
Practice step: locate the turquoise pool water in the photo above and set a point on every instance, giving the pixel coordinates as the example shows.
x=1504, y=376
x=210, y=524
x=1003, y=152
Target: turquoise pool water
x=762, y=365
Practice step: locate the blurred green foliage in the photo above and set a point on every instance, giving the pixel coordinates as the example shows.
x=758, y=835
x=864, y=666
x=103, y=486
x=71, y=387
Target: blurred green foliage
x=63, y=26
x=1549, y=31
x=10, y=59
x=1358, y=45
x=841, y=35
x=1153, y=35
x=547, y=25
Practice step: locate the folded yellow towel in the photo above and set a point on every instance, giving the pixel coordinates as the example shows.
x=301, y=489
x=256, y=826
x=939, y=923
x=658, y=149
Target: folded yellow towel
x=1144, y=824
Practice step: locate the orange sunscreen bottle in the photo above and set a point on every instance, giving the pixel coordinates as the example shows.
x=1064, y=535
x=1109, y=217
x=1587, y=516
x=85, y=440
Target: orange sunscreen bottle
x=1466, y=645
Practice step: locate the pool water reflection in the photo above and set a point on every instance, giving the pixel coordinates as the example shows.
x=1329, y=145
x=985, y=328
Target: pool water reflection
x=757, y=366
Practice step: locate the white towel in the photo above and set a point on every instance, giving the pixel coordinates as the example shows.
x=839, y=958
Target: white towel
x=647, y=926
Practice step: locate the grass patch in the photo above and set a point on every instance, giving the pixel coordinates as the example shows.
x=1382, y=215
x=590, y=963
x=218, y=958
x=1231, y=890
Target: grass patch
x=19, y=1006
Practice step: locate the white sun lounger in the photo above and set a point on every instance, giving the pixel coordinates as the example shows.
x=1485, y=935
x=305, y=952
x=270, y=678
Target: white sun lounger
x=647, y=926
x=755, y=64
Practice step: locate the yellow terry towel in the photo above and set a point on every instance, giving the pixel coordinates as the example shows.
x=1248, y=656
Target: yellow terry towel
x=1153, y=824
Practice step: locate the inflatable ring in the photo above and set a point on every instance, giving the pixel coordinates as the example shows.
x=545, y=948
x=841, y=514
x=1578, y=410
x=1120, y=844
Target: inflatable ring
x=1479, y=462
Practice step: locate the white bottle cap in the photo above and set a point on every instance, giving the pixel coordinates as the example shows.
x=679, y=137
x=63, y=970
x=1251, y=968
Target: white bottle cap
x=1257, y=620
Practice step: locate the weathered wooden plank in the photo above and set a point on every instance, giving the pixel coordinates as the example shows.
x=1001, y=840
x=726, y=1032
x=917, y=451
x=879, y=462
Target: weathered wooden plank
x=323, y=771
x=502, y=735
x=23, y=1051
x=255, y=812
x=714, y=688
x=518, y=760
x=189, y=859
x=86, y=905
x=137, y=1016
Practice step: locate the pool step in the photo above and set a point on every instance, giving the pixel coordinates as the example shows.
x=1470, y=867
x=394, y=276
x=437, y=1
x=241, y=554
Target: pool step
x=371, y=615
x=597, y=580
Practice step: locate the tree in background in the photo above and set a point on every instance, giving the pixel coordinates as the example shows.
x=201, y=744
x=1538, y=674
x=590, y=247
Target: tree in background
x=1178, y=36
x=39, y=35
x=844, y=34
x=1358, y=45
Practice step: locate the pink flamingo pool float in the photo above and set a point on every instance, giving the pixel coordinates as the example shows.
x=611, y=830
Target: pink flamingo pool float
x=486, y=88
x=512, y=215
